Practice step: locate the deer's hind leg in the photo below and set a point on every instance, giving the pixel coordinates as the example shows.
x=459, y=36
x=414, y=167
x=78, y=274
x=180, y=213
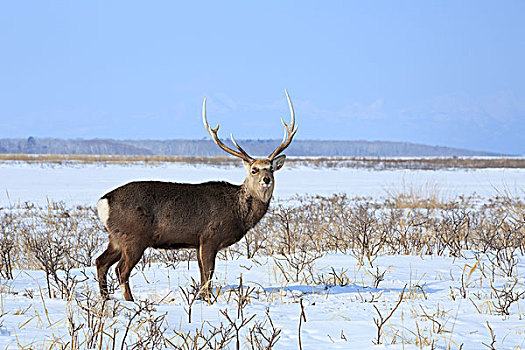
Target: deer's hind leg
x=110, y=256
x=131, y=255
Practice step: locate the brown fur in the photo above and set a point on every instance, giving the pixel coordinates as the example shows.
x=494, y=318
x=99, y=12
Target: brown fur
x=208, y=216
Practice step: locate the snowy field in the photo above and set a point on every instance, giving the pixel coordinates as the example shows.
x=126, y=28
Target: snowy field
x=337, y=317
x=335, y=303
x=84, y=184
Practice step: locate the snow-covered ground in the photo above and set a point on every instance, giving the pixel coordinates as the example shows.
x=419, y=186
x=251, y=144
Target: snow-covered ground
x=84, y=184
x=337, y=317
x=448, y=302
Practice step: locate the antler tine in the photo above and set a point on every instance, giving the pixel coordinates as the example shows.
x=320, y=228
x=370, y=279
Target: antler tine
x=289, y=131
x=213, y=132
x=239, y=147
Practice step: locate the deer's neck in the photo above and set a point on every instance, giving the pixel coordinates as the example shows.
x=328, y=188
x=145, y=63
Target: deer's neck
x=251, y=208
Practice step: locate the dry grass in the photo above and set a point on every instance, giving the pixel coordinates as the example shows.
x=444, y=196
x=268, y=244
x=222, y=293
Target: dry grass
x=314, y=226
x=377, y=163
x=58, y=238
x=113, y=159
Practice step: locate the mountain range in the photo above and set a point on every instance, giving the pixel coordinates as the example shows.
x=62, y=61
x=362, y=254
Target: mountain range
x=205, y=147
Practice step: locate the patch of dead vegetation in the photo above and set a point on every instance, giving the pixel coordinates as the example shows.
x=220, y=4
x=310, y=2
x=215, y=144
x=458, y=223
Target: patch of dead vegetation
x=375, y=163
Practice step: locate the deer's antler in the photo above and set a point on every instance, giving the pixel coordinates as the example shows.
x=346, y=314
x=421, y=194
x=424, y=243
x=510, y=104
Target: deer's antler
x=213, y=132
x=289, y=132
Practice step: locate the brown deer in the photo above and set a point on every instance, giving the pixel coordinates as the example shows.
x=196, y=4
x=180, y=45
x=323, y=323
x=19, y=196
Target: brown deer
x=208, y=216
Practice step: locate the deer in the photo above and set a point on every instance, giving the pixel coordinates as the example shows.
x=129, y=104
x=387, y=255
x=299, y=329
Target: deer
x=208, y=216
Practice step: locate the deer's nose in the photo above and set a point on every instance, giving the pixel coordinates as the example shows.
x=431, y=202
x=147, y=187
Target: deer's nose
x=266, y=180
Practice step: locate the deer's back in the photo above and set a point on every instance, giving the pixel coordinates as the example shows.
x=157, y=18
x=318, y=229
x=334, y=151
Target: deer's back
x=168, y=215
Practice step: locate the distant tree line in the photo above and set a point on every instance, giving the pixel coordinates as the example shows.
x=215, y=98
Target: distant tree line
x=34, y=145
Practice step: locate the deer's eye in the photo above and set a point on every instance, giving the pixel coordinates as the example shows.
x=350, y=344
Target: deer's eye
x=271, y=169
x=254, y=171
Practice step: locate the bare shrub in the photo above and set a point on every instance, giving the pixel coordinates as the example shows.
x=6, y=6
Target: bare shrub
x=241, y=295
x=58, y=238
x=296, y=267
x=168, y=258
x=506, y=296
x=453, y=231
x=332, y=278
x=152, y=331
x=190, y=295
x=52, y=256
x=263, y=335
x=7, y=244
x=368, y=239
x=382, y=320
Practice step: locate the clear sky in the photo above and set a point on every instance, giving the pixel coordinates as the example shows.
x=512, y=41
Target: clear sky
x=446, y=73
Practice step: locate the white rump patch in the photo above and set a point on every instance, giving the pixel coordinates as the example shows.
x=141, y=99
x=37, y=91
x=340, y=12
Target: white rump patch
x=103, y=211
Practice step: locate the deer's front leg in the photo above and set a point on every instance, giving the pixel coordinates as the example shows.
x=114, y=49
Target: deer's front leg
x=206, y=254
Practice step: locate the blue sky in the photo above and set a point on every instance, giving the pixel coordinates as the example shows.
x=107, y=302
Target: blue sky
x=436, y=72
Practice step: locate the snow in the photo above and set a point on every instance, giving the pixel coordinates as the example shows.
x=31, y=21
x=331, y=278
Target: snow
x=85, y=184
x=337, y=317
x=331, y=313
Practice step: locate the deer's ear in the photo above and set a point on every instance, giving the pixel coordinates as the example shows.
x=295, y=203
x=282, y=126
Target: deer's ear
x=278, y=162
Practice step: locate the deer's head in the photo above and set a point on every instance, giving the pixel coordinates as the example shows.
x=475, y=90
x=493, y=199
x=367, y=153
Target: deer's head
x=259, y=172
